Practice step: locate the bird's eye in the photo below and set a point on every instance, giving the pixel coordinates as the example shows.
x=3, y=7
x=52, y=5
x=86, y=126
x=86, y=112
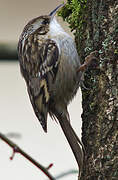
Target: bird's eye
x=45, y=21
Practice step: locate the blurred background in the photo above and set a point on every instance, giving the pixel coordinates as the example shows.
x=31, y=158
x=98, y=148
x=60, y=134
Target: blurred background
x=16, y=114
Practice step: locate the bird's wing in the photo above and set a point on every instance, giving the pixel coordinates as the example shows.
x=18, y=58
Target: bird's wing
x=39, y=70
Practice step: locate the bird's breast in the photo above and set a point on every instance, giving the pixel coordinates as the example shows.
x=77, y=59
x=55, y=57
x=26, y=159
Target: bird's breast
x=66, y=82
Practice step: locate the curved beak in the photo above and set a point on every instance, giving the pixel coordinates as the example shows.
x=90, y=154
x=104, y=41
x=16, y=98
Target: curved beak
x=53, y=13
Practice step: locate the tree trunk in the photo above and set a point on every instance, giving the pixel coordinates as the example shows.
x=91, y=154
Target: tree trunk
x=96, y=28
x=100, y=99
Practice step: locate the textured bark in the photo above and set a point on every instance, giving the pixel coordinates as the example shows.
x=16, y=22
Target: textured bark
x=100, y=99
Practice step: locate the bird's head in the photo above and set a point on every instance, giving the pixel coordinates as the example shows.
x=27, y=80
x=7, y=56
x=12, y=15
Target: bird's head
x=40, y=24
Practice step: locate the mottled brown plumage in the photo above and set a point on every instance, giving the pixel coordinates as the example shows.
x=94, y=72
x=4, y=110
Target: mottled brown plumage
x=36, y=59
x=49, y=63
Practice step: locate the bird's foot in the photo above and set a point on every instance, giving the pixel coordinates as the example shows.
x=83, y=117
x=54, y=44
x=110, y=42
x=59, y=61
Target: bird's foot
x=88, y=60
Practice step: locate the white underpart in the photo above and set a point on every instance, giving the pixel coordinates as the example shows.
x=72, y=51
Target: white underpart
x=67, y=81
x=55, y=27
x=57, y=33
x=63, y=39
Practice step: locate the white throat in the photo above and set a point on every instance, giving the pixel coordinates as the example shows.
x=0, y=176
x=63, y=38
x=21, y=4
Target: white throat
x=55, y=27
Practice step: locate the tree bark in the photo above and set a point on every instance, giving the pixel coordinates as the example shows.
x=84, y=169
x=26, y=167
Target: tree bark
x=100, y=99
x=96, y=28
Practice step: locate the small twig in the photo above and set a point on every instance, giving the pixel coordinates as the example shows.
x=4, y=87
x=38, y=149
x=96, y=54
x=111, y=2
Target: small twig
x=50, y=165
x=17, y=149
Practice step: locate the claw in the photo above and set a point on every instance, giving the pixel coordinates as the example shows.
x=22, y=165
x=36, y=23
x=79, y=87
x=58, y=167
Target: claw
x=88, y=61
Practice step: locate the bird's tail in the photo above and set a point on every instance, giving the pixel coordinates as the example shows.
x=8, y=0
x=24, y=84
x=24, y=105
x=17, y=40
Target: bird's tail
x=73, y=140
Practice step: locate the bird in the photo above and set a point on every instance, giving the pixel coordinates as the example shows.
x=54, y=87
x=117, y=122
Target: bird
x=51, y=67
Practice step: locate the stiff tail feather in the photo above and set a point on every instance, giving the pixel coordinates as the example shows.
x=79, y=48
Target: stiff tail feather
x=73, y=140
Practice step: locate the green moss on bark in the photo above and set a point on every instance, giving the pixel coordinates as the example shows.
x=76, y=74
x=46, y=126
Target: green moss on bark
x=74, y=12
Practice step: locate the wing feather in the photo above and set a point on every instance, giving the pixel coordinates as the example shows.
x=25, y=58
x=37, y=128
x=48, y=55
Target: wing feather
x=38, y=62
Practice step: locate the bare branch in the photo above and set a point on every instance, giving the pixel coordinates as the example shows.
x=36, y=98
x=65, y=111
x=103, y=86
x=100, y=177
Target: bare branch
x=17, y=149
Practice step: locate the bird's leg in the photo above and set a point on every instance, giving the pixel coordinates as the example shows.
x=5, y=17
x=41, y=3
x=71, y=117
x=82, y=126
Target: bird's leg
x=88, y=61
